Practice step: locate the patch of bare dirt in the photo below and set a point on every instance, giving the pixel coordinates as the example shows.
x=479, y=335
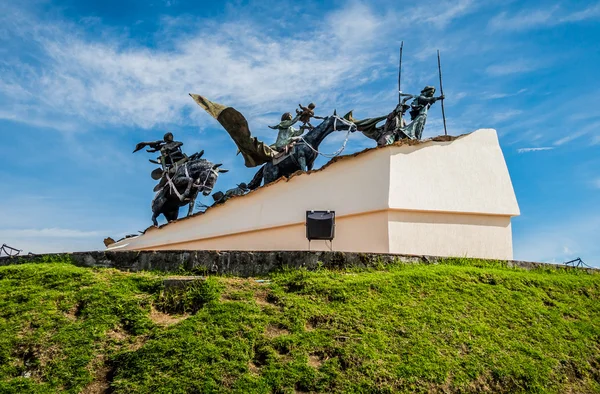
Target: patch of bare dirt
x=101, y=372
x=163, y=319
x=261, y=298
x=137, y=343
x=71, y=314
x=274, y=331
x=314, y=361
x=253, y=368
x=117, y=334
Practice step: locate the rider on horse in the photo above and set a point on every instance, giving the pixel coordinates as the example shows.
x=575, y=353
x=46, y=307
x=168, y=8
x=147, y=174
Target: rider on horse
x=288, y=134
x=170, y=152
x=171, y=157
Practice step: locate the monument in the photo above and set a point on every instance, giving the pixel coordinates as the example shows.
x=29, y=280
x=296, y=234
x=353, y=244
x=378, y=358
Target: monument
x=445, y=196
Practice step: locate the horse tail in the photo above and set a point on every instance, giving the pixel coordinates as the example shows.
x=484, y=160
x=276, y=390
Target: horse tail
x=257, y=180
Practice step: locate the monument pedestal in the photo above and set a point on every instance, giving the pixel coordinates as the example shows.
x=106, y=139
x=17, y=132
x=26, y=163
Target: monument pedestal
x=441, y=197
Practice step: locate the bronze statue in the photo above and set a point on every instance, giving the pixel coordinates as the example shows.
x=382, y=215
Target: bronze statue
x=287, y=132
x=256, y=153
x=170, y=152
x=422, y=101
x=394, y=122
x=395, y=127
x=305, y=114
x=239, y=190
x=182, y=178
x=194, y=177
x=418, y=112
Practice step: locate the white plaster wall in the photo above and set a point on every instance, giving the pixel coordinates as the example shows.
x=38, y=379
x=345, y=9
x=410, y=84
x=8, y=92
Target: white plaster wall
x=436, y=198
x=353, y=186
x=370, y=228
x=468, y=174
x=450, y=234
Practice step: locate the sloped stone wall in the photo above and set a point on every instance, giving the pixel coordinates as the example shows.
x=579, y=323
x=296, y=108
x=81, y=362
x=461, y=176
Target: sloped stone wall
x=237, y=263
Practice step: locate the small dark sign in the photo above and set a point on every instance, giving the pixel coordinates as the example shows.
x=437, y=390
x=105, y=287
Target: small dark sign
x=320, y=225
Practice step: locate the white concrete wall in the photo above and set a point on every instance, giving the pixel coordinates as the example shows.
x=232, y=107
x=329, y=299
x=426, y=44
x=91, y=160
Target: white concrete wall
x=465, y=175
x=437, y=198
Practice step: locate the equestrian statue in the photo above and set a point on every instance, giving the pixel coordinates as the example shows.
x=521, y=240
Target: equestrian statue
x=292, y=152
x=181, y=178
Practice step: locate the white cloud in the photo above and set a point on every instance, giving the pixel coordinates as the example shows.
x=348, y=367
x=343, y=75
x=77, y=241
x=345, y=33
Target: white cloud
x=521, y=21
x=455, y=10
x=514, y=67
x=585, y=130
x=596, y=183
x=525, y=150
x=591, y=12
x=494, y=96
x=505, y=115
x=49, y=233
x=537, y=18
x=111, y=82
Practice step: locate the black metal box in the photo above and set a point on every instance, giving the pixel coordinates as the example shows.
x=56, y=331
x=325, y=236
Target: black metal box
x=320, y=225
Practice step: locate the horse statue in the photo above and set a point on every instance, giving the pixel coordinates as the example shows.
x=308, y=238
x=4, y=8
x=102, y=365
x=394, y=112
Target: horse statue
x=190, y=179
x=303, y=153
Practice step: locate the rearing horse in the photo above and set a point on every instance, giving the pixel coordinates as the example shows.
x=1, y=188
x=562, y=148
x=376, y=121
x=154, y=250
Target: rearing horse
x=194, y=177
x=304, y=153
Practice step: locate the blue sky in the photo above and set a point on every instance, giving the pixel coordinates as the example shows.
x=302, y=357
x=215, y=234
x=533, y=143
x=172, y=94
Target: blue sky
x=82, y=81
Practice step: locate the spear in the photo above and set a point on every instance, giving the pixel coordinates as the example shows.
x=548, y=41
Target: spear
x=442, y=92
x=400, y=74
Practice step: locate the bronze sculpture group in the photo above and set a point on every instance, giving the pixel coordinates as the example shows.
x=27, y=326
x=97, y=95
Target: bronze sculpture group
x=182, y=178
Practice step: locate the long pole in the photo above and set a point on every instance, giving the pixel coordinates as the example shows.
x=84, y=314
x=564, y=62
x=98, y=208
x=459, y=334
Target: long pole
x=400, y=74
x=442, y=92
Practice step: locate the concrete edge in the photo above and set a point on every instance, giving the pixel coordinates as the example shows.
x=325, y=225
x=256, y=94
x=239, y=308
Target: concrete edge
x=245, y=263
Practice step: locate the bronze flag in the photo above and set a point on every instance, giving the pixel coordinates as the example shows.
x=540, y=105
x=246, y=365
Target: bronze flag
x=255, y=152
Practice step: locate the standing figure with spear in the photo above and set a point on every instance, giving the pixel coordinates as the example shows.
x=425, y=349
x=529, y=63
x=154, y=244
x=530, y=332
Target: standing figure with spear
x=418, y=112
x=395, y=119
x=395, y=127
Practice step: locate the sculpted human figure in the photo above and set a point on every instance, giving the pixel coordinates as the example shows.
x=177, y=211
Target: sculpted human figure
x=170, y=150
x=418, y=111
x=305, y=114
x=287, y=132
x=182, y=178
x=423, y=101
x=393, y=123
x=221, y=197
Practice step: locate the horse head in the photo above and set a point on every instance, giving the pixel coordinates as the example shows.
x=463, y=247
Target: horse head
x=329, y=125
x=342, y=124
x=207, y=177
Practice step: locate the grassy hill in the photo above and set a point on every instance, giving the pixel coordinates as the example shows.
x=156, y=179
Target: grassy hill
x=460, y=326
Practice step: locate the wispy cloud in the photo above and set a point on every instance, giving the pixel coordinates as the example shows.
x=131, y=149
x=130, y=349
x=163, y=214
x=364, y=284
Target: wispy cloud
x=495, y=96
x=514, y=67
x=109, y=79
x=595, y=183
x=505, y=115
x=50, y=233
x=455, y=10
x=538, y=18
x=110, y=82
x=527, y=150
x=593, y=127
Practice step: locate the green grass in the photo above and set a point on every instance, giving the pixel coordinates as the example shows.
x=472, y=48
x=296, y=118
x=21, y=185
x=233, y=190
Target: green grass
x=460, y=326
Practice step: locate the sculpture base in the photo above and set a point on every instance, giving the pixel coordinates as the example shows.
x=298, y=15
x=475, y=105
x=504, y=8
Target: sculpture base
x=442, y=197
